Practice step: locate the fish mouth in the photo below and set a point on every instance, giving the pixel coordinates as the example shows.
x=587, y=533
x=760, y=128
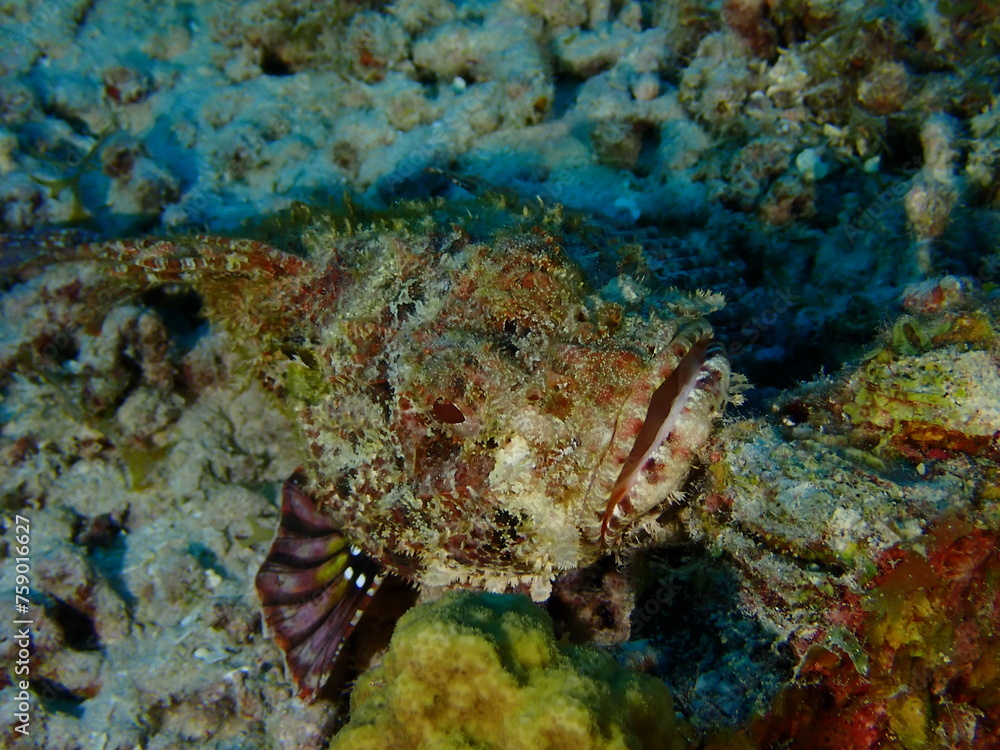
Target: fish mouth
x=668, y=403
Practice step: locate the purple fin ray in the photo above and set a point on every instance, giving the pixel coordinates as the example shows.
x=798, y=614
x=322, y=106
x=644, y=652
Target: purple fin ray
x=313, y=586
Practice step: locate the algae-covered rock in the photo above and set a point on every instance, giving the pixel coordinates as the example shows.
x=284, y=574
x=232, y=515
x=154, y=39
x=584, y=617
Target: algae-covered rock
x=485, y=671
x=914, y=666
x=851, y=466
x=862, y=518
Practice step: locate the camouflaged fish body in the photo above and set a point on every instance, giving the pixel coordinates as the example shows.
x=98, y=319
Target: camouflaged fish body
x=475, y=414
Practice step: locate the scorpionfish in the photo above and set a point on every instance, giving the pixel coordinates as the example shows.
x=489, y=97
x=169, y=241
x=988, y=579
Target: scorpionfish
x=475, y=413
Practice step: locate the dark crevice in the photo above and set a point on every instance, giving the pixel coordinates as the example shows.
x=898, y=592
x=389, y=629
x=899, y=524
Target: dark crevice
x=272, y=64
x=77, y=627
x=720, y=663
x=180, y=309
x=57, y=697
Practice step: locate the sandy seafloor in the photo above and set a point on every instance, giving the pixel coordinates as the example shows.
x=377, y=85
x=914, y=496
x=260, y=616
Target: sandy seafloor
x=809, y=159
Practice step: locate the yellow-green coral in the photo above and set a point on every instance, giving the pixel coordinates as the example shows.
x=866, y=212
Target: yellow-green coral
x=484, y=671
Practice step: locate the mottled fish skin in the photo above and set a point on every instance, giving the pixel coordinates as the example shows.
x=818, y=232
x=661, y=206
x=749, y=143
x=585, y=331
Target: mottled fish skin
x=470, y=406
x=474, y=412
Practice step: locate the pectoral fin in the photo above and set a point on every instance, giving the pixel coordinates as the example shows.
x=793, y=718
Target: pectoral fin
x=313, y=585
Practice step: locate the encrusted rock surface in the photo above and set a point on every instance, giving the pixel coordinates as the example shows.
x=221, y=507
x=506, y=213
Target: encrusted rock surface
x=148, y=516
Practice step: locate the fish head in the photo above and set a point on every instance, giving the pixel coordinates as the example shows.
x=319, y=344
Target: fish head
x=521, y=424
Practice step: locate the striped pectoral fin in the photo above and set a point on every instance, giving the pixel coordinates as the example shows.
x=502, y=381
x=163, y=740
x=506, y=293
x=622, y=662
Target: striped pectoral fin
x=313, y=586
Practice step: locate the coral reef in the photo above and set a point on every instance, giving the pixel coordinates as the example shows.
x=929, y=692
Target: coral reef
x=916, y=663
x=633, y=114
x=808, y=159
x=480, y=670
x=863, y=525
x=134, y=464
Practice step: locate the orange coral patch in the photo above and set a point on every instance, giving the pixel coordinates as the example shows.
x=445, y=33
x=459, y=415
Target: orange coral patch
x=925, y=437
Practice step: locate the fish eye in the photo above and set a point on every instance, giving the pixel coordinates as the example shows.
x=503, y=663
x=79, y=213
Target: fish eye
x=445, y=411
